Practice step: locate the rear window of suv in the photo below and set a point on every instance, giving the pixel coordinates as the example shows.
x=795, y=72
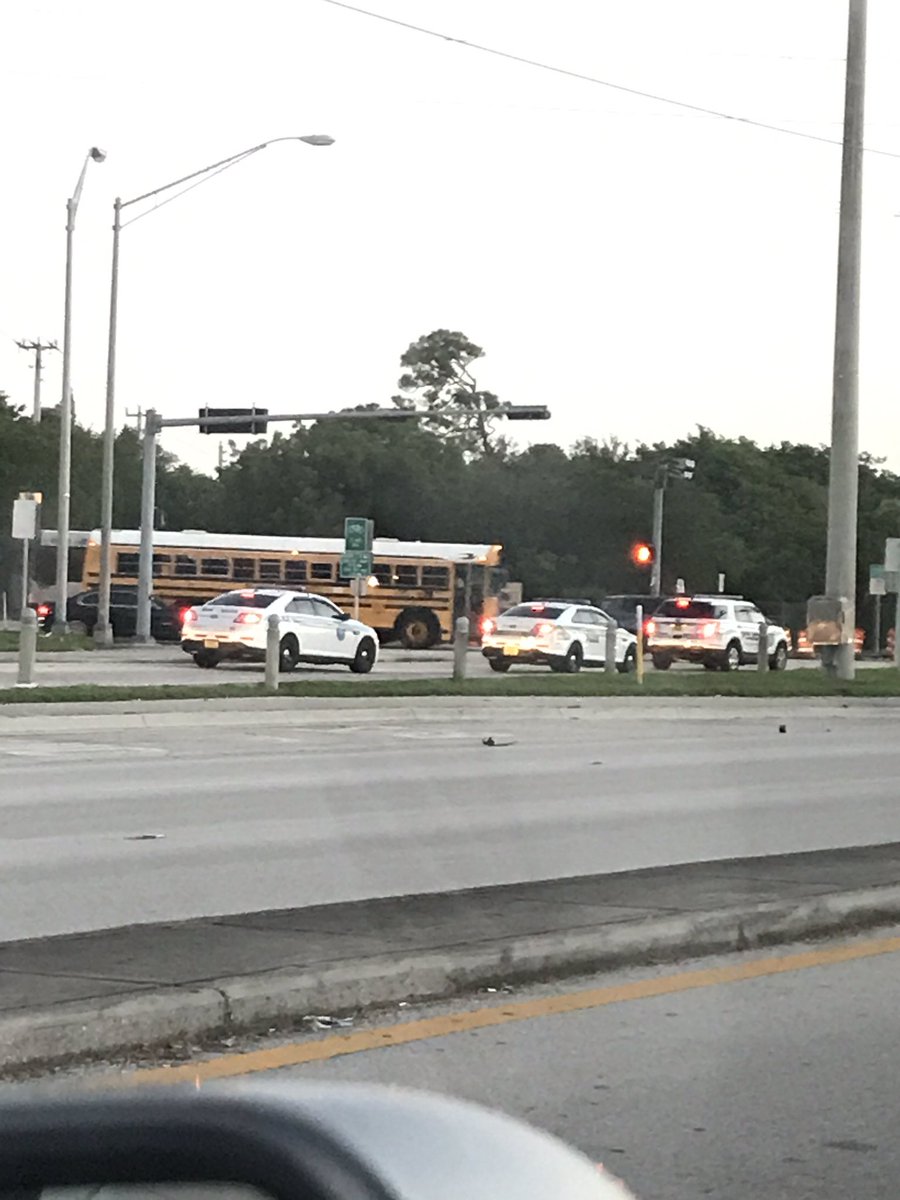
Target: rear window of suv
x=244, y=599
x=549, y=612
x=692, y=610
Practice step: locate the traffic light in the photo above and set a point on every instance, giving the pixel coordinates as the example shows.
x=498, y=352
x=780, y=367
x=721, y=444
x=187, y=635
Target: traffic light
x=245, y=420
x=643, y=554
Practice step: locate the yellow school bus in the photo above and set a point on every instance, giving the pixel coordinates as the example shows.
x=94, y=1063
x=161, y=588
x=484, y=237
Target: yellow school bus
x=414, y=594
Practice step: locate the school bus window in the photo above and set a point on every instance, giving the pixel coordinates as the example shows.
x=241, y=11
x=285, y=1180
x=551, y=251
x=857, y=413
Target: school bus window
x=161, y=564
x=435, y=577
x=407, y=575
x=295, y=570
x=244, y=569
x=128, y=563
x=185, y=565
x=214, y=566
x=270, y=569
x=382, y=572
x=322, y=570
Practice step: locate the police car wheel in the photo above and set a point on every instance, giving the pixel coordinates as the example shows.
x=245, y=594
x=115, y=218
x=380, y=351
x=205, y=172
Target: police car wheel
x=364, y=659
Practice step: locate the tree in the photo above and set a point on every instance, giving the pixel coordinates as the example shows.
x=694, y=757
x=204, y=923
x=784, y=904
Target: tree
x=438, y=378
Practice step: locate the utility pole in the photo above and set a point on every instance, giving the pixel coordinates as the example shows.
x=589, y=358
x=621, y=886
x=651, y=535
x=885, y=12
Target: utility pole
x=659, y=493
x=136, y=415
x=37, y=348
x=843, y=482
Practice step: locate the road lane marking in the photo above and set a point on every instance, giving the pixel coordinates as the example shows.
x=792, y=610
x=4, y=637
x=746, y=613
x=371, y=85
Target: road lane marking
x=295, y=1054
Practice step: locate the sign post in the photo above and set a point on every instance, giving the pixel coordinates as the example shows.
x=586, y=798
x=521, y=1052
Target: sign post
x=24, y=527
x=356, y=561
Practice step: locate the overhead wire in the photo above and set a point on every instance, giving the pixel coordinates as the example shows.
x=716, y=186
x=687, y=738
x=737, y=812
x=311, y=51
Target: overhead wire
x=607, y=83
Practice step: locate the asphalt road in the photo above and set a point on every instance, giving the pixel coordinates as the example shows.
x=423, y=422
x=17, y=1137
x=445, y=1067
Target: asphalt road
x=782, y=1087
x=105, y=826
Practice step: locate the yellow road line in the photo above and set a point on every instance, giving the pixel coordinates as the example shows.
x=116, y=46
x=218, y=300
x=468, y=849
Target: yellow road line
x=319, y=1050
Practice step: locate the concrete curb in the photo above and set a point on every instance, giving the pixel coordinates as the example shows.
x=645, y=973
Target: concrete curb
x=154, y=1018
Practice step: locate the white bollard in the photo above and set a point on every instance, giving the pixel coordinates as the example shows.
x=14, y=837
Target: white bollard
x=273, y=653
x=762, y=654
x=27, y=648
x=612, y=629
x=639, y=625
x=460, y=647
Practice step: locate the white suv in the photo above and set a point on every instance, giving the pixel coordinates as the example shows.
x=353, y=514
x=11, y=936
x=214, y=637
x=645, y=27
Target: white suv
x=310, y=628
x=722, y=632
x=562, y=634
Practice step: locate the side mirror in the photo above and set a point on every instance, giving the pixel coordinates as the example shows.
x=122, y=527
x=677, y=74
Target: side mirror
x=342, y=616
x=294, y=1142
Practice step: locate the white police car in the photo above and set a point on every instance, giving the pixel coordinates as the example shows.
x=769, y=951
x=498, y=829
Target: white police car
x=310, y=629
x=565, y=635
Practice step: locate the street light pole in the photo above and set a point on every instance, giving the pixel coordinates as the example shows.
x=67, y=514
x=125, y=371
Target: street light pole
x=65, y=411
x=103, y=628
x=103, y=631
x=843, y=481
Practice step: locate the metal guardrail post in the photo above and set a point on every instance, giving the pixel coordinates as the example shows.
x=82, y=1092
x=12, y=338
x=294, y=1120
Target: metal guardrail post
x=27, y=648
x=273, y=652
x=460, y=647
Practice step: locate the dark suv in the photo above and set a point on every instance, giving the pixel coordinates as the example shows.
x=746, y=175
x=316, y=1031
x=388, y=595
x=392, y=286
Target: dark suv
x=165, y=622
x=624, y=609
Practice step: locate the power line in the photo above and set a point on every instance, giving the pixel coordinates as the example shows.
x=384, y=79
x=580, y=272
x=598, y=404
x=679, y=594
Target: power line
x=617, y=87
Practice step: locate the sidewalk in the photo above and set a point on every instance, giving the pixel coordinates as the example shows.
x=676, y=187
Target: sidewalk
x=103, y=993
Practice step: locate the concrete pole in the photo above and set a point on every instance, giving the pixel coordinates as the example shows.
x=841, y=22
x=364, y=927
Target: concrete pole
x=25, y=568
x=148, y=506
x=36, y=409
x=840, y=570
x=897, y=631
x=65, y=441
x=659, y=493
x=103, y=633
x=612, y=630
x=460, y=647
x=27, y=648
x=273, y=652
x=877, y=631
x=762, y=650
x=639, y=625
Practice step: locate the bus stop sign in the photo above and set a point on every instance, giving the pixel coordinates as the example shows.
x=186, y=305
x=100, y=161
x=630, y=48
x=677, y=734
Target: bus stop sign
x=357, y=557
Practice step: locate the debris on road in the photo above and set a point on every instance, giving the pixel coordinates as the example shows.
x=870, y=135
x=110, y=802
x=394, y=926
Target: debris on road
x=491, y=741
x=782, y=728
x=143, y=837
x=326, y=1022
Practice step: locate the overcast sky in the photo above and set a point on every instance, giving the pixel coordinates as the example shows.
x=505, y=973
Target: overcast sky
x=639, y=268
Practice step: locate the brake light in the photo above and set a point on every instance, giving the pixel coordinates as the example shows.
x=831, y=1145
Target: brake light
x=487, y=626
x=710, y=629
x=247, y=618
x=43, y=610
x=682, y=602
x=650, y=628
x=188, y=614
x=542, y=629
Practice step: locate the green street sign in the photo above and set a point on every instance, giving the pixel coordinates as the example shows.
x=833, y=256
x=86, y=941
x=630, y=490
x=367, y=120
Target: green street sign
x=355, y=563
x=358, y=533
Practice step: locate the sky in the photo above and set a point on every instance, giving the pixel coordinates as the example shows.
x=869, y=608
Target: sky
x=638, y=267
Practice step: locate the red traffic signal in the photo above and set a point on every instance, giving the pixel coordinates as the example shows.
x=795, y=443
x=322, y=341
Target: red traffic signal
x=643, y=554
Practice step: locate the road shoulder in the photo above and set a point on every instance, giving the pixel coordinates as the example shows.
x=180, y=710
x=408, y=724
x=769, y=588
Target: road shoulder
x=149, y=986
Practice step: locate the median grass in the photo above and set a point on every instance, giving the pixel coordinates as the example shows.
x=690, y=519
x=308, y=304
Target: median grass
x=46, y=643
x=878, y=682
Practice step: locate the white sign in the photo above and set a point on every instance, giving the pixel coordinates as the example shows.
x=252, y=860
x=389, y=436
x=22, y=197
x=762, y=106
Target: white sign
x=892, y=554
x=24, y=522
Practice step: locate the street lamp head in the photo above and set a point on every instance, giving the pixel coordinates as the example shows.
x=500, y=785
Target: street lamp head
x=317, y=139
x=97, y=154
